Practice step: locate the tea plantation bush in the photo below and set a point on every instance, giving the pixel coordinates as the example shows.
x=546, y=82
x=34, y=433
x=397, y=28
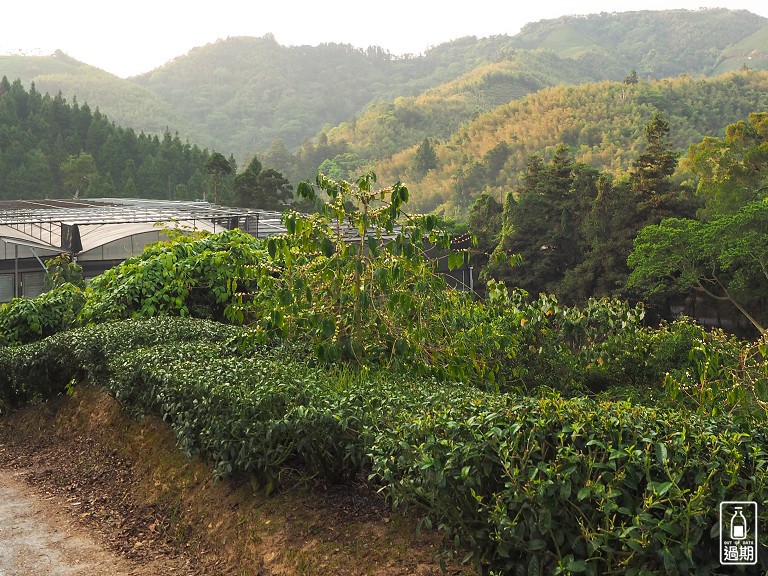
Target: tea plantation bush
x=44, y=368
x=557, y=485
x=527, y=485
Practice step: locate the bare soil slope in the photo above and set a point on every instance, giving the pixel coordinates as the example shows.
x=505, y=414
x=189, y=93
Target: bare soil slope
x=83, y=487
x=40, y=536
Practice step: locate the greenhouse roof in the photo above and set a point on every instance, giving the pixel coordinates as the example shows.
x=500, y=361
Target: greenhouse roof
x=116, y=211
x=54, y=224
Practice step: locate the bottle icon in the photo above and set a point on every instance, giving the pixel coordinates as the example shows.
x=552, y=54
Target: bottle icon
x=738, y=525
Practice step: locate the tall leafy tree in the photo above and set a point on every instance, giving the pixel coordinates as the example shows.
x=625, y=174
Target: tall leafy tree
x=725, y=259
x=607, y=231
x=273, y=191
x=80, y=173
x=485, y=225
x=650, y=174
x=485, y=221
x=264, y=189
x=246, y=184
x=732, y=171
x=426, y=158
x=542, y=226
x=631, y=78
x=342, y=166
x=217, y=167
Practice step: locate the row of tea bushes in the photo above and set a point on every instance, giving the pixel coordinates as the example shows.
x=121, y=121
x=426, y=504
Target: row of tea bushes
x=527, y=485
x=40, y=369
x=553, y=485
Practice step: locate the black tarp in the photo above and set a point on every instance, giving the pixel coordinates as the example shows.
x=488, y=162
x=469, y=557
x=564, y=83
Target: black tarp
x=70, y=238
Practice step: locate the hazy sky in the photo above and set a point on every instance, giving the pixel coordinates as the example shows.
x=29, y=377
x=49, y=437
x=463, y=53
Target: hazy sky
x=128, y=38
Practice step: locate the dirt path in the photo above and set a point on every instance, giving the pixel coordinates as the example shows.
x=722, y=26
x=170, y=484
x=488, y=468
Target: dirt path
x=55, y=521
x=37, y=537
x=86, y=490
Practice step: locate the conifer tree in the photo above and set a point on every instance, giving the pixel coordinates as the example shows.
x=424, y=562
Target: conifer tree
x=426, y=158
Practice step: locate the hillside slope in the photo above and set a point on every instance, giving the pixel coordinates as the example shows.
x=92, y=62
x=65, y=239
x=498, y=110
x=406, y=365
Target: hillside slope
x=125, y=103
x=389, y=127
x=247, y=92
x=602, y=123
x=656, y=44
x=241, y=94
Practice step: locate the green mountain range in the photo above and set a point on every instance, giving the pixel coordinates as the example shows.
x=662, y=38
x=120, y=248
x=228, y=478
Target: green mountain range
x=246, y=96
x=601, y=123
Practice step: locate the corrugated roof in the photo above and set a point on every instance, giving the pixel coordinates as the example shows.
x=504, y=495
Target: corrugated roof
x=48, y=223
x=116, y=210
x=103, y=220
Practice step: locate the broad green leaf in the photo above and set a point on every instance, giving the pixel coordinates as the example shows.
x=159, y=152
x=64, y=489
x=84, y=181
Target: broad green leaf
x=455, y=260
x=577, y=566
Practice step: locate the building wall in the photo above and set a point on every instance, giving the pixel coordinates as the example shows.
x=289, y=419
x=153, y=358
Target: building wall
x=31, y=275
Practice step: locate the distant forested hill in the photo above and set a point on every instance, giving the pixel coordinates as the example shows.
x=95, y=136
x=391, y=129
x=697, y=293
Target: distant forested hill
x=51, y=148
x=656, y=44
x=567, y=51
x=240, y=95
x=346, y=109
x=389, y=127
x=125, y=102
x=247, y=93
x=601, y=123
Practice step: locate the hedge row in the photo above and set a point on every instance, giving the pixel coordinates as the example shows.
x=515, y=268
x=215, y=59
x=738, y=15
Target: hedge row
x=41, y=369
x=530, y=486
x=555, y=485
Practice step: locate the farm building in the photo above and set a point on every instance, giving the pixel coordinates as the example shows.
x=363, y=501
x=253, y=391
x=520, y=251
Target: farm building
x=100, y=233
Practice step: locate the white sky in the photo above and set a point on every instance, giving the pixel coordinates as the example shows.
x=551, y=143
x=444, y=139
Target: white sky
x=129, y=38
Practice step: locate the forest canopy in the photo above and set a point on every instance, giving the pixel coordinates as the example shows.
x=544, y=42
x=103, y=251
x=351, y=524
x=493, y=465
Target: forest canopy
x=50, y=148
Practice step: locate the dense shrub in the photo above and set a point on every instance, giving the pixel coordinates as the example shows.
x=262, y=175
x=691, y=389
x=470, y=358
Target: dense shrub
x=722, y=376
x=256, y=415
x=34, y=372
x=530, y=485
x=62, y=270
x=24, y=320
x=186, y=276
x=552, y=485
x=38, y=370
